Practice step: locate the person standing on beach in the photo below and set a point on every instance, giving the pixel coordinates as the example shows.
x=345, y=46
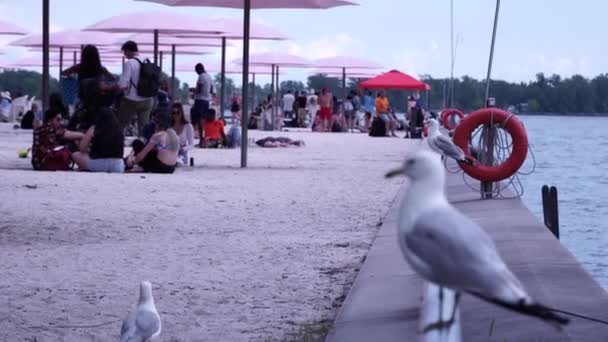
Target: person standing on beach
x=326, y=103
x=382, y=111
x=132, y=102
x=202, y=99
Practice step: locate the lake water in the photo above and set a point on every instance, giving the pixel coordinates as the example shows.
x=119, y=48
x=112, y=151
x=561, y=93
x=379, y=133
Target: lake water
x=571, y=153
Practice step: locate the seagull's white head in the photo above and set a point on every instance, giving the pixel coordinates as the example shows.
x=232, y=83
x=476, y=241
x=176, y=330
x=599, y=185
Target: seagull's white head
x=422, y=166
x=433, y=125
x=145, y=292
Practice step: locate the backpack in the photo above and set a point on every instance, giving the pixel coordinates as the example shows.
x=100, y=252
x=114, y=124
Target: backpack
x=378, y=128
x=149, y=79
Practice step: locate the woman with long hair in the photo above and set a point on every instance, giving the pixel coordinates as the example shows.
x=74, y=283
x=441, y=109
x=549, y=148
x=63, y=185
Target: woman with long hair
x=184, y=131
x=102, y=148
x=159, y=155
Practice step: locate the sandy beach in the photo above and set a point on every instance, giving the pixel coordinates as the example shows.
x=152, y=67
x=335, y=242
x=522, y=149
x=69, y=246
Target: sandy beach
x=233, y=255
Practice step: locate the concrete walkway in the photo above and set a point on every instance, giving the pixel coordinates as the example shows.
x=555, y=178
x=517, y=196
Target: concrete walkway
x=383, y=304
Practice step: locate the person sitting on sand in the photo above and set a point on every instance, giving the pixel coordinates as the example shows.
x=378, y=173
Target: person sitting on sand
x=102, y=147
x=47, y=138
x=214, y=134
x=272, y=142
x=185, y=132
x=159, y=155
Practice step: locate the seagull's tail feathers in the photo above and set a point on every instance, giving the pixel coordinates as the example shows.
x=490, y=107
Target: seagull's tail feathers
x=535, y=310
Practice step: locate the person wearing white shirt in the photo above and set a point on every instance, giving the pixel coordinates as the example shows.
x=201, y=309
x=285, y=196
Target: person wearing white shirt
x=184, y=131
x=288, y=101
x=131, y=103
x=202, y=98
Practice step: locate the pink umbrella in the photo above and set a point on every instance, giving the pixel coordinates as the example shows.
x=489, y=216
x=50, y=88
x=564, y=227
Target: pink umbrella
x=157, y=23
x=144, y=39
x=247, y=5
x=230, y=69
x=32, y=62
x=7, y=28
x=257, y=31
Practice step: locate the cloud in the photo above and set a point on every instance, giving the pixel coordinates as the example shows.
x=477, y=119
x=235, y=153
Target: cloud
x=417, y=61
x=327, y=46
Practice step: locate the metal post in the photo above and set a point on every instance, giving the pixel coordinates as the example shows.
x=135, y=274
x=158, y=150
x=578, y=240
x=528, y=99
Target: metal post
x=253, y=90
x=156, y=47
x=45, y=54
x=550, y=209
x=223, y=78
x=75, y=57
x=343, y=88
x=488, y=152
x=272, y=96
x=160, y=60
x=60, y=61
x=245, y=89
x=173, y=72
x=277, y=100
x=451, y=92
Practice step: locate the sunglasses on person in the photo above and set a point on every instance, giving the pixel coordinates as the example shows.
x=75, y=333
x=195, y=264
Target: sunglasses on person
x=176, y=112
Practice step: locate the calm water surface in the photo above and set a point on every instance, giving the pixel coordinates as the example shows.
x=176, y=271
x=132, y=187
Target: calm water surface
x=571, y=154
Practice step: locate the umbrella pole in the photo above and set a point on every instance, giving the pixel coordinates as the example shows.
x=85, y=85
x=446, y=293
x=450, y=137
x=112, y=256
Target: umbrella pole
x=160, y=60
x=278, y=99
x=223, y=78
x=343, y=88
x=156, y=47
x=60, y=61
x=173, y=72
x=75, y=57
x=245, y=96
x=45, y=54
x=272, y=95
x=253, y=90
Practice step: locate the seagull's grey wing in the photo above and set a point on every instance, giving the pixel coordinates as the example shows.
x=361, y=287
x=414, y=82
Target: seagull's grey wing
x=448, y=147
x=148, y=323
x=128, y=331
x=461, y=255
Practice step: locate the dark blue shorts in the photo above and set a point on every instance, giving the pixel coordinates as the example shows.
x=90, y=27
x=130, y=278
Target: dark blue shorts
x=197, y=113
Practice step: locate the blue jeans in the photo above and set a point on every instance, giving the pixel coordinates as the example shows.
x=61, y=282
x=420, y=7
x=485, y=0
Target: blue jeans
x=112, y=165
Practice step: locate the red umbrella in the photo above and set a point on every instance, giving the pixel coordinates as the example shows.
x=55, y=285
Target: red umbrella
x=394, y=79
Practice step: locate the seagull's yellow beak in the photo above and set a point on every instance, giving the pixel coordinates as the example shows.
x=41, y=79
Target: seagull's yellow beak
x=393, y=173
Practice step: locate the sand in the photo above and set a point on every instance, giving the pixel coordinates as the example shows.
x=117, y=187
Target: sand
x=233, y=255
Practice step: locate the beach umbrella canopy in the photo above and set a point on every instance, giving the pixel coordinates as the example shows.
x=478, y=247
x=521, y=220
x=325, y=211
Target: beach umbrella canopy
x=32, y=62
x=350, y=75
x=346, y=62
x=247, y=5
x=233, y=30
x=7, y=28
x=394, y=79
x=349, y=72
x=71, y=38
x=276, y=58
x=162, y=22
x=167, y=40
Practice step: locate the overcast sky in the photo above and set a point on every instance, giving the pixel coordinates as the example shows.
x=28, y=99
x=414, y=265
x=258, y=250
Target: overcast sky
x=551, y=36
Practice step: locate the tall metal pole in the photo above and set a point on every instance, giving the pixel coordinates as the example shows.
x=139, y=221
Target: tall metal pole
x=245, y=89
x=223, y=78
x=272, y=94
x=76, y=58
x=156, y=47
x=492, y=50
x=173, y=72
x=45, y=54
x=343, y=88
x=487, y=157
x=253, y=90
x=451, y=92
x=277, y=100
x=160, y=60
x=60, y=61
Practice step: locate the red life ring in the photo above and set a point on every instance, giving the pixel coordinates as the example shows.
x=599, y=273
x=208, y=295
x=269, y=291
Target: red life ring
x=507, y=121
x=446, y=114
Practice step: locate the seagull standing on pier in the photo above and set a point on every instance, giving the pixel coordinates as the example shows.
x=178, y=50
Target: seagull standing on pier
x=447, y=248
x=143, y=322
x=444, y=145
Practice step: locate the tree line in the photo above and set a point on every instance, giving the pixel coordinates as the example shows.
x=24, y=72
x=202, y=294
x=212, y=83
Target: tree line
x=554, y=94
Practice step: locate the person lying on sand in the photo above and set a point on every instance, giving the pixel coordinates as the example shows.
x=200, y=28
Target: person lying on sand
x=272, y=142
